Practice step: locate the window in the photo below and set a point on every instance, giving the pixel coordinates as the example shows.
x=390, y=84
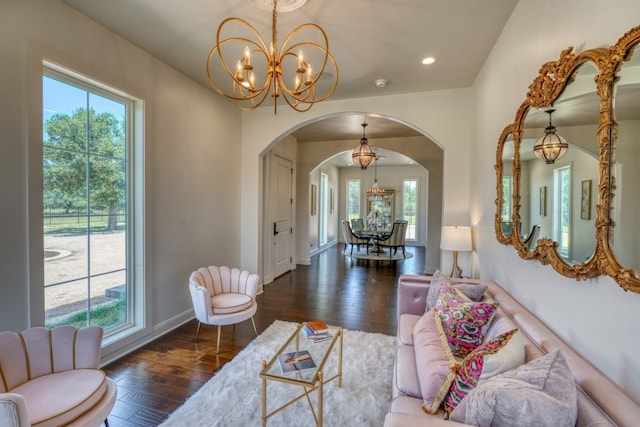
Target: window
x=353, y=199
x=89, y=204
x=410, y=206
x=562, y=209
x=507, y=192
x=324, y=208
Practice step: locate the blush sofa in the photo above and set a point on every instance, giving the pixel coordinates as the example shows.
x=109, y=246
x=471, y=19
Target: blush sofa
x=600, y=402
x=51, y=377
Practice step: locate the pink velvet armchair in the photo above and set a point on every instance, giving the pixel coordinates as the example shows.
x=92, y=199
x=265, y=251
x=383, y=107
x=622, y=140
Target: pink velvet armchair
x=51, y=377
x=223, y=296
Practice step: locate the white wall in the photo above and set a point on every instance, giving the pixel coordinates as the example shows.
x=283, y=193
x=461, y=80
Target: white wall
x=596, y=316
x=440, y=115
x=192, y=161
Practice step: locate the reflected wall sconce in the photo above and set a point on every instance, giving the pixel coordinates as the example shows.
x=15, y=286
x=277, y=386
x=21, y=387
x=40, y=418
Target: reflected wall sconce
x=456, y=239
x=363, y=154
x=268, y=70
x=551, y=146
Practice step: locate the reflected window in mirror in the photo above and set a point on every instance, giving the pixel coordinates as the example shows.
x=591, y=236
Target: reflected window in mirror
x=507, y=205
x=562, y=209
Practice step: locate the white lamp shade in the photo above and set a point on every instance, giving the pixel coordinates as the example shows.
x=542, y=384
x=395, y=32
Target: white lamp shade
x=456, y=238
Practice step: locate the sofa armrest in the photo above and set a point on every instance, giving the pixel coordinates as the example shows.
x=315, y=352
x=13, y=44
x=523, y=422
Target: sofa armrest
x=412, y=294
x=13, y=410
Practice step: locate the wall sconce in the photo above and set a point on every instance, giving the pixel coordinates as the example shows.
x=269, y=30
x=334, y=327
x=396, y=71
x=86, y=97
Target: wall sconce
x=456, y=239
x=551, y=146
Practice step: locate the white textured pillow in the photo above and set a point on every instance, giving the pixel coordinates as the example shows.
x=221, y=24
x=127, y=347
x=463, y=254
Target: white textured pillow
x=540, y=393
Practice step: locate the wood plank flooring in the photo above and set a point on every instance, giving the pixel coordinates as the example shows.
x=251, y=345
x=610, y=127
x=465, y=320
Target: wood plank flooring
x=359, y=295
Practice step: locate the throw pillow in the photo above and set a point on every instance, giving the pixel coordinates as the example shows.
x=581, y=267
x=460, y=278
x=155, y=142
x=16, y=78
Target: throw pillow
x=499, y=354
x=434, y=361
x=539, y=393
x=464, y=323
x=473, y=291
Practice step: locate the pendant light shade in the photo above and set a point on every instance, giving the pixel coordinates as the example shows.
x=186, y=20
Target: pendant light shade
x=363, y=154
x=551, y=146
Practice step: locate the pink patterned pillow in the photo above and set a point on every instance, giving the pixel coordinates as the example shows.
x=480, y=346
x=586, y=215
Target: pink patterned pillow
x=464, y=323
x=494, y=357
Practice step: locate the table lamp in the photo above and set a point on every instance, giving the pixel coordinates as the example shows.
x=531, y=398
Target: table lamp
x=456, y=239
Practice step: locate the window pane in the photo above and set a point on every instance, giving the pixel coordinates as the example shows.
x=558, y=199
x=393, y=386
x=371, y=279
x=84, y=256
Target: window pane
x=84, y=195
x=409, y=206
x=353, y=199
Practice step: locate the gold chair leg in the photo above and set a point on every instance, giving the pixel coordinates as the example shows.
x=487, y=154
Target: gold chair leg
x=218, y=343
x=254, y=326
x=197, y=332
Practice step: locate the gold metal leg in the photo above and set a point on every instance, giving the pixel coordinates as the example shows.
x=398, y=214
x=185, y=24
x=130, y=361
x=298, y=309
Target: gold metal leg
x=264, y=395
x=197, y=332
x=218, y=344
x=320, y=396
x=341, y=332
x=254, y=326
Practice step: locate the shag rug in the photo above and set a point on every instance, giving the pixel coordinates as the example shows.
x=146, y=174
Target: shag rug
x=233, y=396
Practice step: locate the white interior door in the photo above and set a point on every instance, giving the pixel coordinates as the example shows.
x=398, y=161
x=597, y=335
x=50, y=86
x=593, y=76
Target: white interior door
x=281, y=208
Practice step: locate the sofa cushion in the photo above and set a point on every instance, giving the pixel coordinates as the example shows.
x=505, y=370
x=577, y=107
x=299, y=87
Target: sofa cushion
x=405, y=375
x=59, y=398
x=540, y=393
x=473, y=291
x=434, y=361
x=230, y=303
x=464, y=323
x=499, y=354
x=406, y=324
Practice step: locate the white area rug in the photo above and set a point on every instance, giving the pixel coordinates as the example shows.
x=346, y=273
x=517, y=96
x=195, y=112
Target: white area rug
x=233, y=396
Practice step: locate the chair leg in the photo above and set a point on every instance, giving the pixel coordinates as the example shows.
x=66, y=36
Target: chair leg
x=197, y=332
x=254, y=326
x=218, y=341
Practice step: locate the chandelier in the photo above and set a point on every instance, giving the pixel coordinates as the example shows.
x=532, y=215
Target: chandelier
x=265, y=70
x=375, y=192
x=363, y=154
x=551, y=146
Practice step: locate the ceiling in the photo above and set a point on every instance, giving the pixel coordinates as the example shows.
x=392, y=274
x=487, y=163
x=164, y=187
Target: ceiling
x=369, y=39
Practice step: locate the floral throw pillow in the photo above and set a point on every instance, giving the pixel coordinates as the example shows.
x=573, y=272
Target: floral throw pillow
x=499, y=354
x=464, y=323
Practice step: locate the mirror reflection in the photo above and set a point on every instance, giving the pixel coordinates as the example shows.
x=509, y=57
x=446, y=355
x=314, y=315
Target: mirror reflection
x=506, y=208
x=626, y=200
x=558, y=197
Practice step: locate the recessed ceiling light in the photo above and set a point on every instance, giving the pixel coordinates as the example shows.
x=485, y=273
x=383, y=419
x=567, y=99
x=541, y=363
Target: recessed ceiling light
x=429, y=60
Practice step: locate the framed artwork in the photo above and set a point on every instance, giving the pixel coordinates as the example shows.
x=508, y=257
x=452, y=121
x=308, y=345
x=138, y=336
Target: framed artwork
x=543, y=200
x=313, y=199
x=585, y=200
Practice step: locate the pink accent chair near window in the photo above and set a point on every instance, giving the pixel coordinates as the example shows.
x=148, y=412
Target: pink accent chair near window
x=223, y=296
x=51, y=377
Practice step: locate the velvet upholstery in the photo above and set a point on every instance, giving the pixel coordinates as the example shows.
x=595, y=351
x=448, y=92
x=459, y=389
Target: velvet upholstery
x=223, y=296
x=600, y=402
x=51, y=377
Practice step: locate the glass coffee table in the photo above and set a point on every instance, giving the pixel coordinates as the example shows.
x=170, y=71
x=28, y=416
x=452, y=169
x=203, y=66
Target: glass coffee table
x=309, y=379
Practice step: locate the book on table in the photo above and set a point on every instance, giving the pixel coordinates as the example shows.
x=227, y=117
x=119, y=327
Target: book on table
x=317, y=326
x=316, y=337
x=296, y=361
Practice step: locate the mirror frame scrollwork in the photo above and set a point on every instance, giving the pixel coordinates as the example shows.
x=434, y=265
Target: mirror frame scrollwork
x=545, y=89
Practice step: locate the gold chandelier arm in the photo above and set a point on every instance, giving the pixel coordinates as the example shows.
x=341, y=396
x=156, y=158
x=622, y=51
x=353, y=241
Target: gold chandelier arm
x=239, y=91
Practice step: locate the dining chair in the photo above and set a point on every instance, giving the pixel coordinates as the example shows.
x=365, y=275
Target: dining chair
x=351, y=239
x=396, y=239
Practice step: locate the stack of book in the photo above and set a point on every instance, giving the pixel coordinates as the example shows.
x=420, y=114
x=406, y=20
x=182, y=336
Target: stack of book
x=317, y=331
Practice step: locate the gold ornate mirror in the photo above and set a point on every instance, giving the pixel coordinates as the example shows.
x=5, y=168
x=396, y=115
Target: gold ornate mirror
x=575, y=211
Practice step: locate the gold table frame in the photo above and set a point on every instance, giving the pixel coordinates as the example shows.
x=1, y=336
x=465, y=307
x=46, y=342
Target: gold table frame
x=312, y=379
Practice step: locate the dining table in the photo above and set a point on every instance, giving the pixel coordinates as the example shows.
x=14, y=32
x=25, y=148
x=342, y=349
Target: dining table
x=375, y=236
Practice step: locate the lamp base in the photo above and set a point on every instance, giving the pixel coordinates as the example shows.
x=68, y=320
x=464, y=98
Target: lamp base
x=456, y=271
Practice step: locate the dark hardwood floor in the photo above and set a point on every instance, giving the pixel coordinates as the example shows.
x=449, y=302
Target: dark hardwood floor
x=359, y=295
